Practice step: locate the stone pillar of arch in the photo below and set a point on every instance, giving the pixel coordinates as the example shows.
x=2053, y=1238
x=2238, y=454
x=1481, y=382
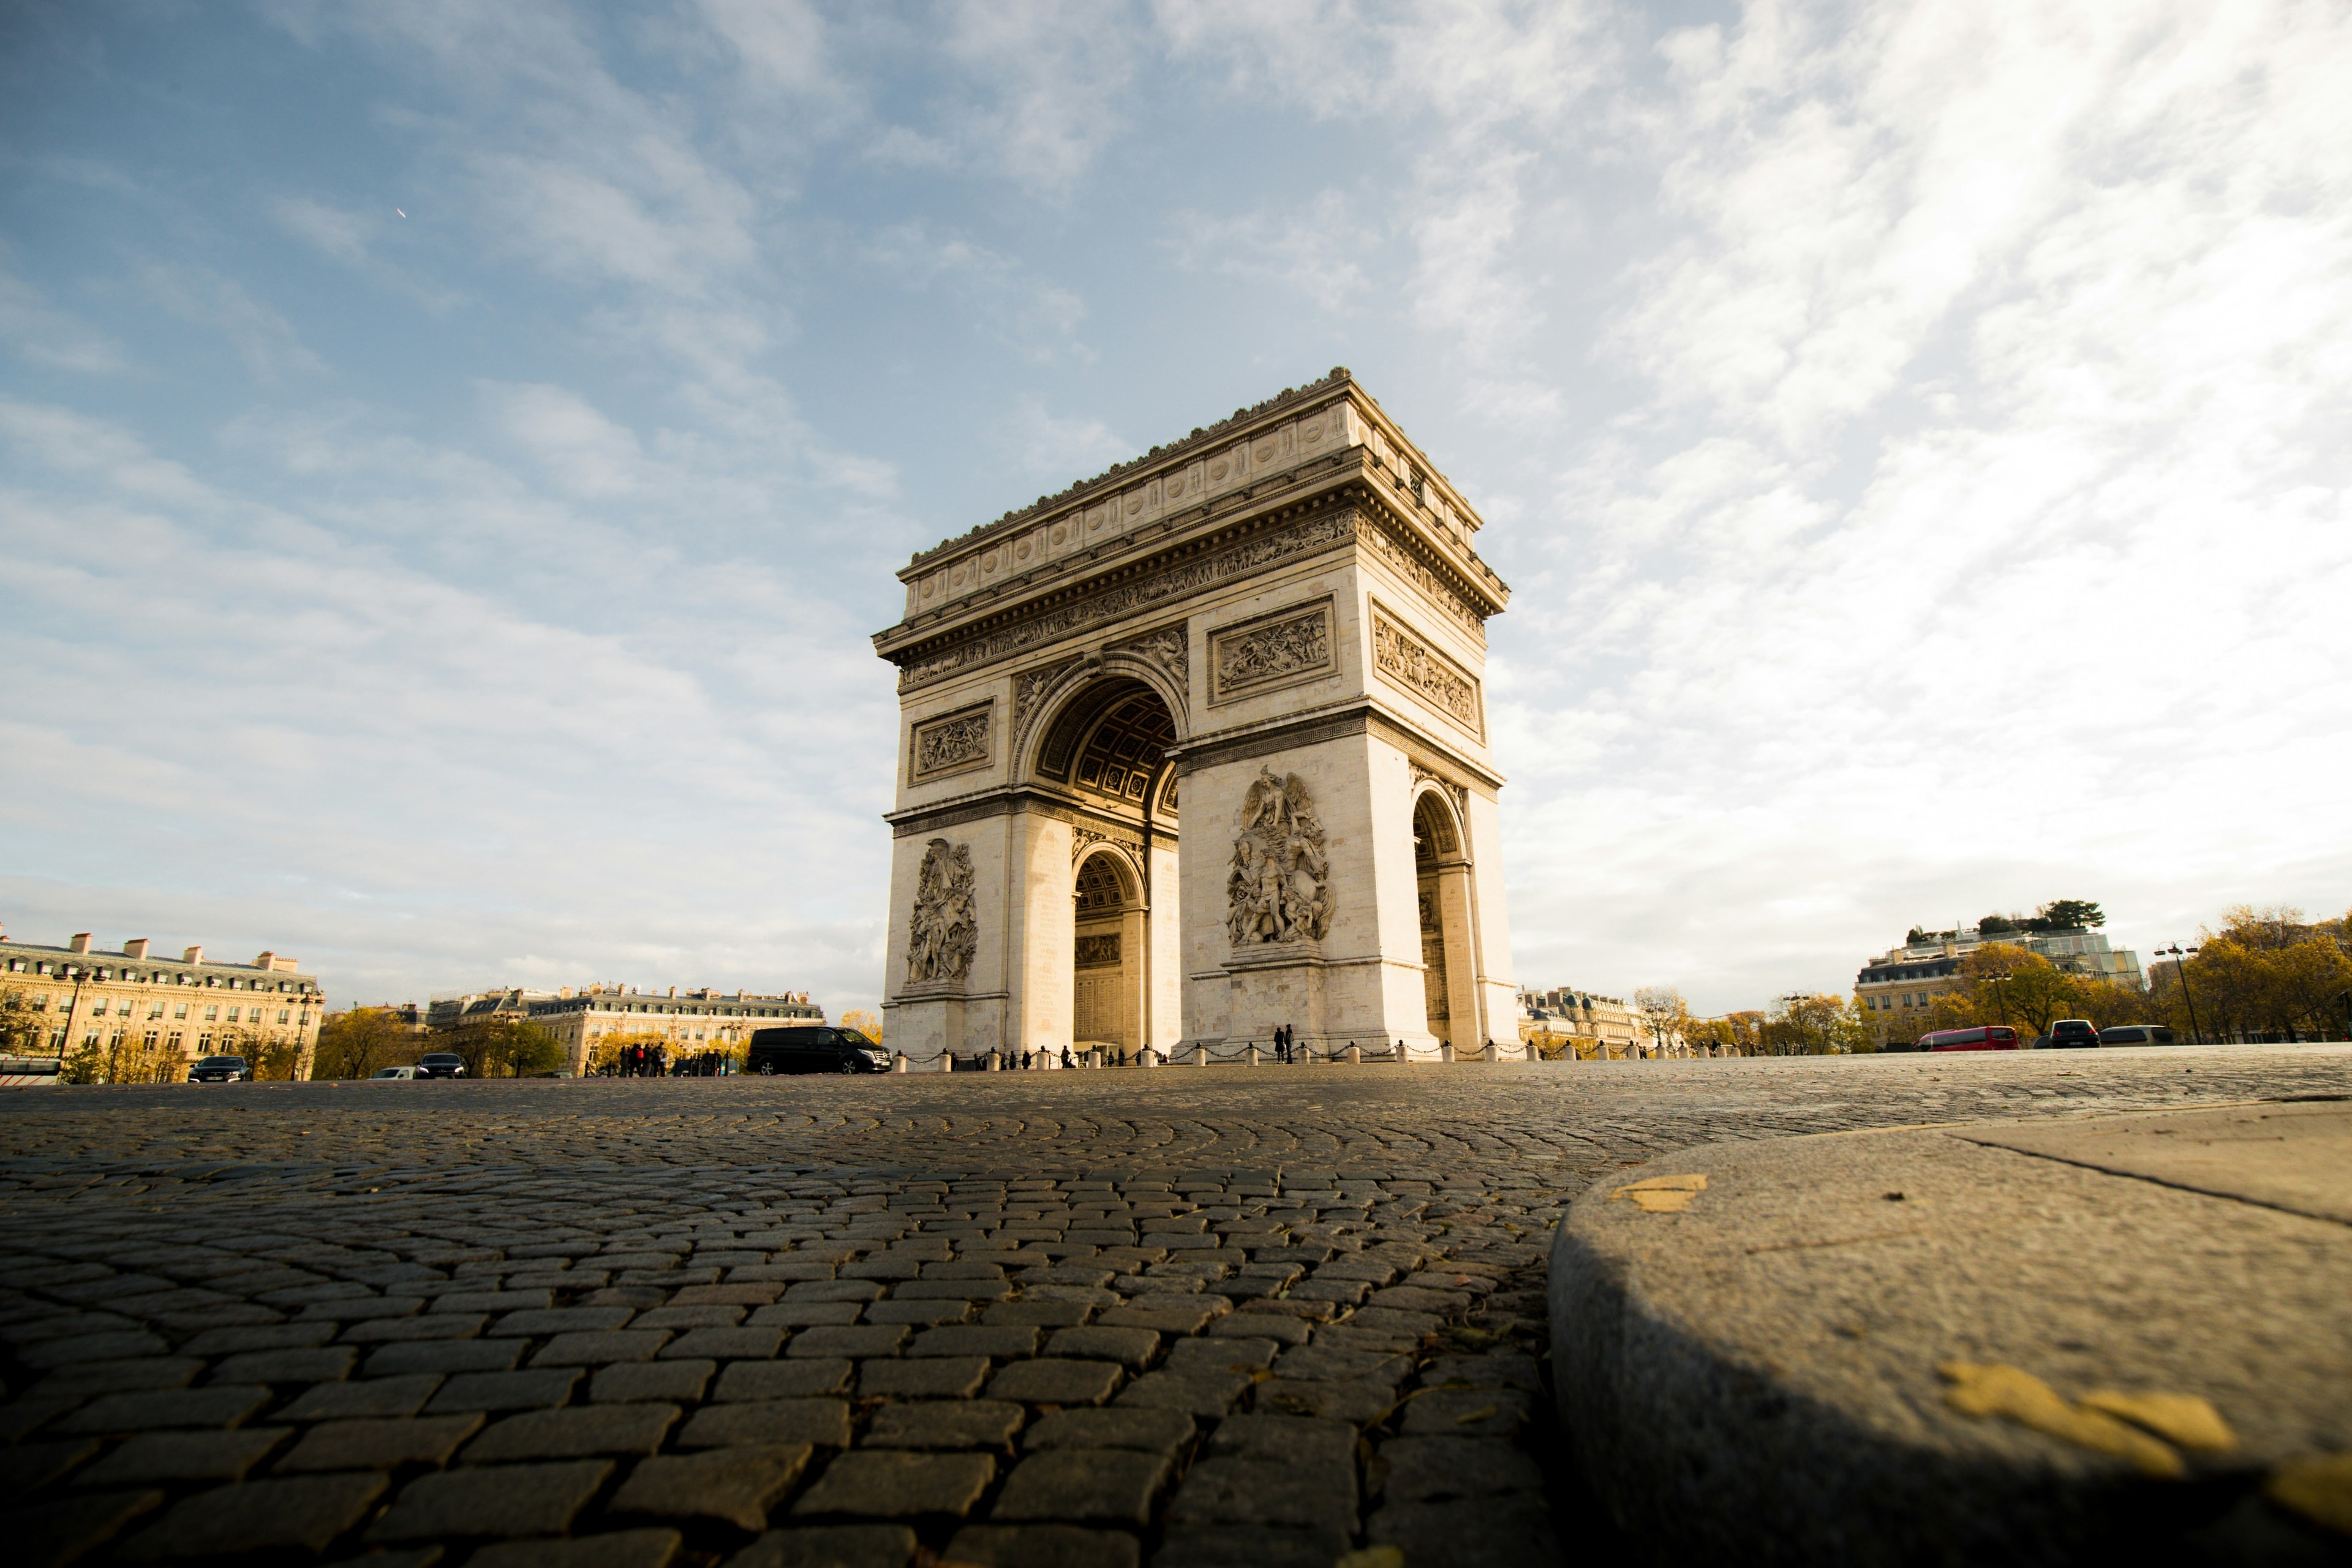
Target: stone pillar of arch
x=1226, y=685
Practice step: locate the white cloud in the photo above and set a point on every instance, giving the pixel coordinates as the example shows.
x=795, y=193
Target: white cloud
x=1062, y=447
x=1038, y=317
x=1043, y=86
x=41, y=332
x=1314, y=247
x=265, y=341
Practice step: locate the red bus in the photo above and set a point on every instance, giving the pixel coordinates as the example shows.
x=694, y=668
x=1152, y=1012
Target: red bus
x=1984, y=1037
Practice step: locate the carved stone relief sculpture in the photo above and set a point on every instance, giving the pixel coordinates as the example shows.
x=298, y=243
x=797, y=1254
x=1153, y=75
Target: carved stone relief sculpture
x=1420, y=669
x=941, y=935
x=1169, y=648
x=1270, y=651
x=1278, y=885
x=959, y=741
x=1030, y=685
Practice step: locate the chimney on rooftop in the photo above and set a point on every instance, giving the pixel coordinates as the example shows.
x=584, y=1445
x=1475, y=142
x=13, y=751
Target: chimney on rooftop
x=136, y=948
x=80, y=943
x=564, y=991
x=193, y=955
x=673, y=991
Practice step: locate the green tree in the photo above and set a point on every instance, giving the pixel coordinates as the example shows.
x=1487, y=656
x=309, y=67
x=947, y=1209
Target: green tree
x=506, y=1048
x=2069, y=914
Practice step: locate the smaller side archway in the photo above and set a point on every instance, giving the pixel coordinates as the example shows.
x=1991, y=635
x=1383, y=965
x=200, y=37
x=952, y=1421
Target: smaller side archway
x=1445, y=891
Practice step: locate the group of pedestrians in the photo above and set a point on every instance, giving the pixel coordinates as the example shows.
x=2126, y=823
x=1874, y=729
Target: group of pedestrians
x=643, y=1061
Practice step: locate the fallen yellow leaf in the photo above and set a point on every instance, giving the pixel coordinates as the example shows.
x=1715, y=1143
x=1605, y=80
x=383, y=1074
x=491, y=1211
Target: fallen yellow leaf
x=1663, y=1195
x=1994, y=1389
x=2319, y=1488
x=1478, y=1415
x=1371, y=1557
x=2183, y=1418
x=1691, y=1183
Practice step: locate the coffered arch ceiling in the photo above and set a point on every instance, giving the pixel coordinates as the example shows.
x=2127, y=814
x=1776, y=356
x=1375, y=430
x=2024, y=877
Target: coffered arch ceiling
x=1109, y=744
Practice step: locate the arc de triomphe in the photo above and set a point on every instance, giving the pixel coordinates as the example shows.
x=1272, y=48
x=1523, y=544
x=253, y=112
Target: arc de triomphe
x=1197, y=749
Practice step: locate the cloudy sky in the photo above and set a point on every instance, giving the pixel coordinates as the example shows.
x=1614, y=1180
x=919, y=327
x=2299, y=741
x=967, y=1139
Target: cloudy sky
x=452, y=456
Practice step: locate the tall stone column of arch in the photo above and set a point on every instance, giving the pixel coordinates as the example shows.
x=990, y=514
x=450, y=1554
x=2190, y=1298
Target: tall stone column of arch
x=1225, y=704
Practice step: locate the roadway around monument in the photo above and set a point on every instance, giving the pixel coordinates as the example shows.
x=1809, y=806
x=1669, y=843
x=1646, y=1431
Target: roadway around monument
x=1175, y=1315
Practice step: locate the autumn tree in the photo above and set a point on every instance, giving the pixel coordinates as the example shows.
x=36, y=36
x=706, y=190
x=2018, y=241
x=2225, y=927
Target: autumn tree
x=2010, y=984
x=20, y=1027
x=127, y=1057
x=1668, y=1016
x=1817, y=1025
x=868, y=1024
x=2265, y=972
x=356, y=1043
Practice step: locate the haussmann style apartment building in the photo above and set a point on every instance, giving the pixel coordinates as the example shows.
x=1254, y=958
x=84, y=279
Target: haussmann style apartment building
x=1594, y=1026
x=1896, y=988
x=579, y=1017
x=88, y=998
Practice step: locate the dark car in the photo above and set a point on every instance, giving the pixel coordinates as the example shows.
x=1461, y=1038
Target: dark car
x=2071, y=1032
x=2137, y=1035
x=1982, y=1037
x=440, y=1064
x=221, y=1069
x=807, y=1049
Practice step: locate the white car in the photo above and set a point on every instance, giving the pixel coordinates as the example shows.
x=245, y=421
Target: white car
x=409, y=1073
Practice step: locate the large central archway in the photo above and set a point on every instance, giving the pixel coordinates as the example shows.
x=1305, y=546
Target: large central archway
x=1103, y=749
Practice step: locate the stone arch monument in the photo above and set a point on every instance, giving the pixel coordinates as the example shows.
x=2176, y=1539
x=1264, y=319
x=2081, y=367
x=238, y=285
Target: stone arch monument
x=1198, y=749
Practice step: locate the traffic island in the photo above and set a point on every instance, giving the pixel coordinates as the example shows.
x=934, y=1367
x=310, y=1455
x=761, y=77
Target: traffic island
x=2035, y=1342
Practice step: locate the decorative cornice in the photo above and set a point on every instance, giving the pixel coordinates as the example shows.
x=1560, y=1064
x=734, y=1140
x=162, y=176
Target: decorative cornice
x=1027, y=799
x=1201, y=438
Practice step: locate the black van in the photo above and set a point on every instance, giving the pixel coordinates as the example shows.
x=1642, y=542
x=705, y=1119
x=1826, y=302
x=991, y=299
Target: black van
x=808, y=1048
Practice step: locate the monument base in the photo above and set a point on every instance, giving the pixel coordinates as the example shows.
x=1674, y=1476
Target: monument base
x=932, y=1021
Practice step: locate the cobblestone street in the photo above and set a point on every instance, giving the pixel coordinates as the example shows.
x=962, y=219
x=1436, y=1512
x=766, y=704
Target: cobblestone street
x=1175, y=1315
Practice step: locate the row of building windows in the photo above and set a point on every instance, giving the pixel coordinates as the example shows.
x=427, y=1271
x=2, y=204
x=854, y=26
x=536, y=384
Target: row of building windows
x=128, y=1008
x=1883, y=1004
x=128, y=977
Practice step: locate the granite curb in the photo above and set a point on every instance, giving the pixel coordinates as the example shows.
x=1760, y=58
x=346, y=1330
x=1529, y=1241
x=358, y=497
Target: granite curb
x=2030, y=1342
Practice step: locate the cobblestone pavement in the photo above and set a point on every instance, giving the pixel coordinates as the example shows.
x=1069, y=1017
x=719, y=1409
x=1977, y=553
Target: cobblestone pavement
x=1181, y=1316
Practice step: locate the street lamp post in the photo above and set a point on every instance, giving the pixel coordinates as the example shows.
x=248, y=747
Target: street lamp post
x=2179, y=954
x=1785, y=1012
